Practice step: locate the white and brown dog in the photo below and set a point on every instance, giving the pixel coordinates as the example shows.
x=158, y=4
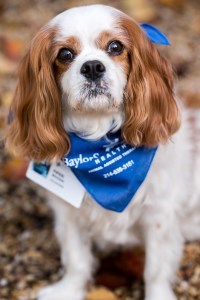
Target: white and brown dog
x=89, y=71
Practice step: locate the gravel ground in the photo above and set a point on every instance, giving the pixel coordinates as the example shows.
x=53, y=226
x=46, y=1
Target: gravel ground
x=26, y=262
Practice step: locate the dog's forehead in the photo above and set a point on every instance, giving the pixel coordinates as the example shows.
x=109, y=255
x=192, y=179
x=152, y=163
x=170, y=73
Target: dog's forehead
x=85, y=22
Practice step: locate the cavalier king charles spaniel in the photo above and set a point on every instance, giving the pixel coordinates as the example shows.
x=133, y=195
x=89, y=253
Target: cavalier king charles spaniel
x=90, y=71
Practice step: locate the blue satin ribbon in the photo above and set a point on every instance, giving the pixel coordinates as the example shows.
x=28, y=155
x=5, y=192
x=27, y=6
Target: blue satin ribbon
x=154, y=34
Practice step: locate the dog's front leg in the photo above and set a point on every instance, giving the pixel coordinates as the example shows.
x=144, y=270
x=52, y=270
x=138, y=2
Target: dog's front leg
x=163, y=243
x=76, y=256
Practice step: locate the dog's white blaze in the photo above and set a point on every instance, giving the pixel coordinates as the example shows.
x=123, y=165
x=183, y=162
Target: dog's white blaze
x=76, y=21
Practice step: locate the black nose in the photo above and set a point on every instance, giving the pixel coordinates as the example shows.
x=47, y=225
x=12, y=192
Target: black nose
x=93, y=69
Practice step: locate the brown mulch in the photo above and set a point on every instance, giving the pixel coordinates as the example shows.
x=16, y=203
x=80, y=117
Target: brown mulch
x=27, y=262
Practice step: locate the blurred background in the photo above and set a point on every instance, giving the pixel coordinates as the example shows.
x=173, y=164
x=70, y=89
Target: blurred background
x=29, y=254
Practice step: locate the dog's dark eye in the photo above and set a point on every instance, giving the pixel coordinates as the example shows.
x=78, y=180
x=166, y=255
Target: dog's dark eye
x=115, y=48
x=65, y=55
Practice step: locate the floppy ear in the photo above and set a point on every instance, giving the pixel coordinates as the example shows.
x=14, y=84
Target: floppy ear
x=151, y=112
x=36, y=130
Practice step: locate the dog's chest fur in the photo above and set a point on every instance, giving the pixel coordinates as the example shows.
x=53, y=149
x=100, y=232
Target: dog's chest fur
x=163, y=190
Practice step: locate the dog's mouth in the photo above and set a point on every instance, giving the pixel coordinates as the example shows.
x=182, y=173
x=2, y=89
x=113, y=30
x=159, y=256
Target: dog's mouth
x=93, y=89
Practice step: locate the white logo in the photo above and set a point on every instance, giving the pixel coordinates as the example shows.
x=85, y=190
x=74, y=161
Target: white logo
x=111, y=143
x=74, y=162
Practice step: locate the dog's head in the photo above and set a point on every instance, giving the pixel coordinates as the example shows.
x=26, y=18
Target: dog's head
x=91, y=60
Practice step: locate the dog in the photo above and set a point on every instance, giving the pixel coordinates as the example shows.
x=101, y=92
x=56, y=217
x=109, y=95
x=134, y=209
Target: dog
x=90, y=72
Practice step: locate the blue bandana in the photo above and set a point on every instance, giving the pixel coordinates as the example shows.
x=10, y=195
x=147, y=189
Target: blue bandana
x=110, y=170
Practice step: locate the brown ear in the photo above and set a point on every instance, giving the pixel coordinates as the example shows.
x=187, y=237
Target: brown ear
x=36, y=131
x=151, y=112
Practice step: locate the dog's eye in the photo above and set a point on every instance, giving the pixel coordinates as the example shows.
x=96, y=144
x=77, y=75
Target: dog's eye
x=65, y=55
x=115, y=48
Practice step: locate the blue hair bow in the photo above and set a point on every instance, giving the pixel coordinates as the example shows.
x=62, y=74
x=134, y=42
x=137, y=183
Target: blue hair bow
x=154, y=34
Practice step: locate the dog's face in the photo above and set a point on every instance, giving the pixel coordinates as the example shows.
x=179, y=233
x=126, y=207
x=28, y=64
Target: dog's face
x=91, y=60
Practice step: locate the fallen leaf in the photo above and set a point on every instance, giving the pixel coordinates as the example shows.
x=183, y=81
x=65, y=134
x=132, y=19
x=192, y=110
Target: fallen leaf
x=192, y=98
x=101, y=294
x=195, y=25
x=14, y=169
x=1, y=6
x=141, y=10
x=6, y=98
x=112, y=279
x=11, y=48
x=120, y=269
x=173, y=3
x=7, y=66
x=132, y=263
x=2, y=122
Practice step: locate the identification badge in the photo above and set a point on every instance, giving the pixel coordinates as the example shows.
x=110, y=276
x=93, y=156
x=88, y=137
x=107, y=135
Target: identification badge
x=58, y=179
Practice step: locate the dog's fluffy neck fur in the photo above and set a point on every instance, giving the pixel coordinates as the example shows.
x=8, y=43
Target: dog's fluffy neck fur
x=92, y=126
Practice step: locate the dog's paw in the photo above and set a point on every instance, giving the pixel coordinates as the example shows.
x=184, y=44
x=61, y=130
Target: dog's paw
x=60, y=291
x=159, y=292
